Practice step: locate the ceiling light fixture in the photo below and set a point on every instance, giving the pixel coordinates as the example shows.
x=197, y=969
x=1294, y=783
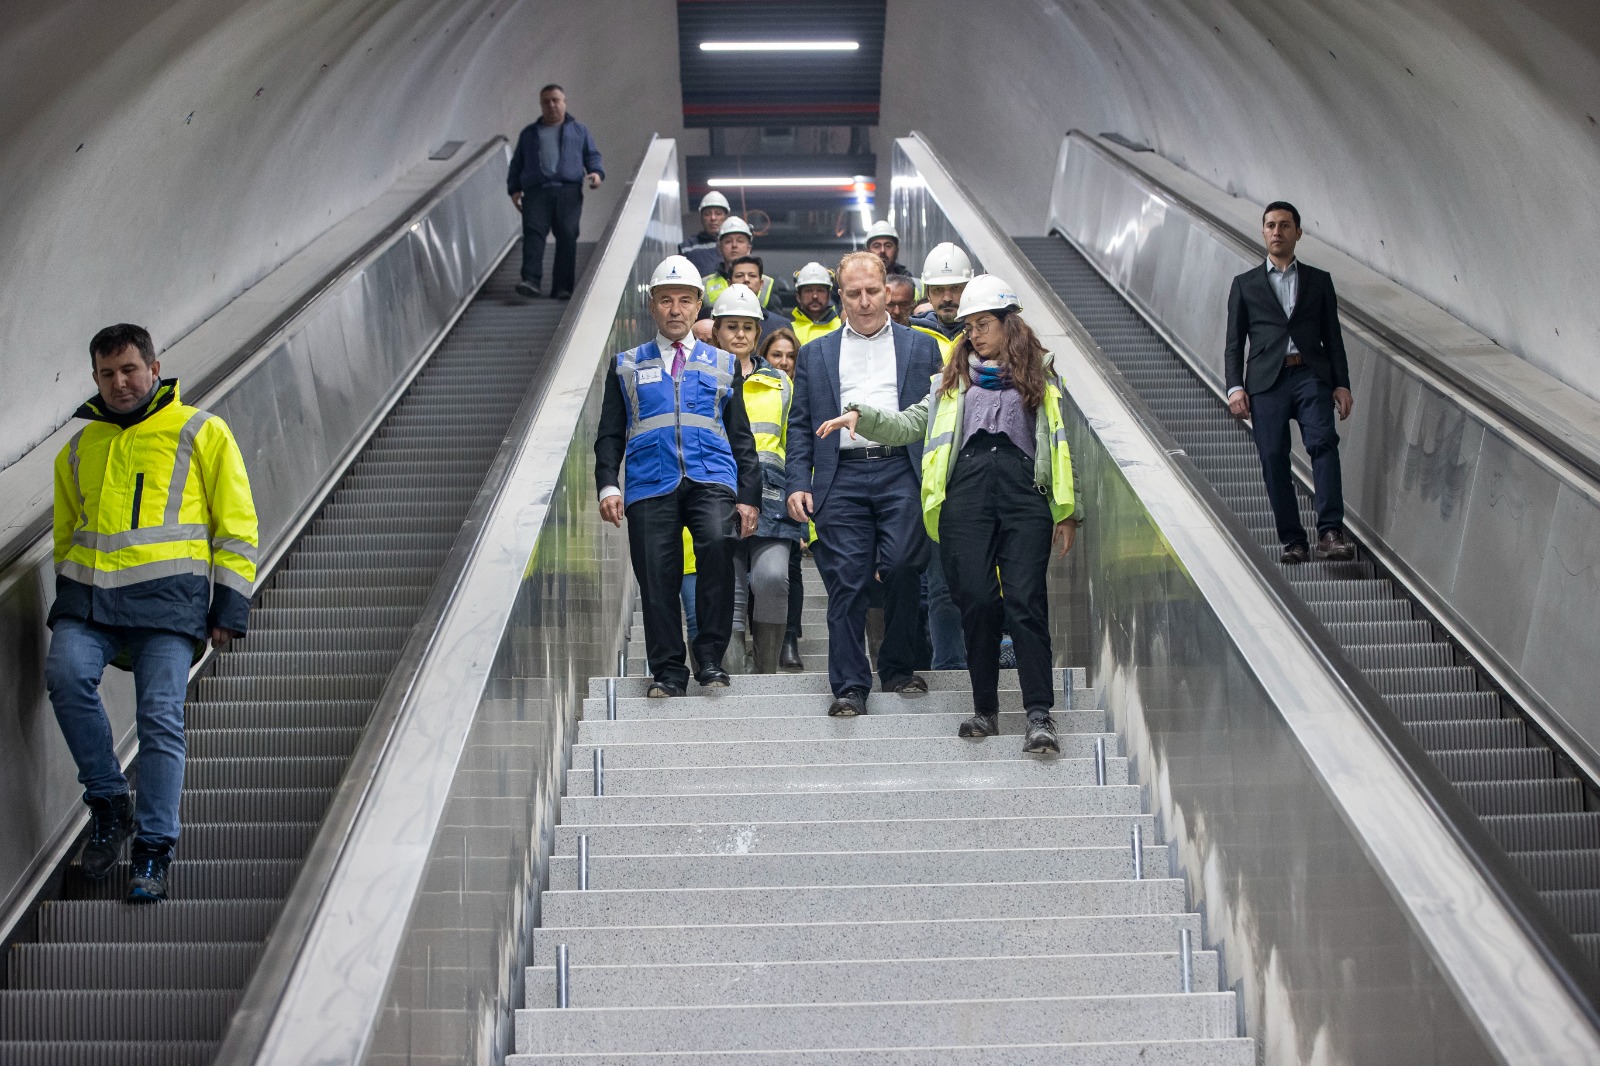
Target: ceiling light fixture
x=844, y=182
x=779, y=46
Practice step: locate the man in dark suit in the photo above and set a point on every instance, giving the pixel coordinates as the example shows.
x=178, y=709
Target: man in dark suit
x=1296, y=370
x=673, y=421
x=865, y=498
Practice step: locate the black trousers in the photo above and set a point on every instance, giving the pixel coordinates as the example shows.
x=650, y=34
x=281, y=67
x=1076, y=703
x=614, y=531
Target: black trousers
x=872, y=521
x=655, y=543
x=797, y=593
x=1300, y=395
x=993, y=516
x=545, y=210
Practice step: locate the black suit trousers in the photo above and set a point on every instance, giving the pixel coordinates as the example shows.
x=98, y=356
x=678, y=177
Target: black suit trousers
x=655, y=544
x=550, y=209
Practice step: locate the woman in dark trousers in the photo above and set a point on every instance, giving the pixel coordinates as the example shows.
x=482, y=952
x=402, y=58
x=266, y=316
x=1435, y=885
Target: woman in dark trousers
x=997, y=493
x=781, y=351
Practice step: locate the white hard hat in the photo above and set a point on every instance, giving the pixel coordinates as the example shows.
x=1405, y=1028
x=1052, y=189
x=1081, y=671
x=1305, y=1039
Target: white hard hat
x=883, y=228
x=734, y=224
x=947, y=264
x=987, y=293
x=714, y=199
x=677, y=270
x=737, y=301
x=812, y=274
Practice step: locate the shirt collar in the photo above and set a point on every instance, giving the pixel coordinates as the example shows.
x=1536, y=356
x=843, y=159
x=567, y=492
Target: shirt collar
x=851, y=331
x=1294, y=267
x=666, y=346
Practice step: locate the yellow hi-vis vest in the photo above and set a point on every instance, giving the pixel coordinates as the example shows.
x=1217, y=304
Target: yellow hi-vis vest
x=717, y=284
x=947, y=345
x=767, y=396
x=155, y=526
x=807, y=331
x=944, y=428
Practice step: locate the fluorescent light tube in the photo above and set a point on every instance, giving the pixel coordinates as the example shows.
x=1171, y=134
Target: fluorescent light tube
x=779, y=46
x=751, y=183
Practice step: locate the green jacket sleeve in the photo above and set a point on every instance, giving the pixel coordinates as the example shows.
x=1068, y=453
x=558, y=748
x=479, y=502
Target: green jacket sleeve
x=892, y=428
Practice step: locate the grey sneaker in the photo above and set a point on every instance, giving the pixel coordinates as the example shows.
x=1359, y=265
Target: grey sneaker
x=1041, y=739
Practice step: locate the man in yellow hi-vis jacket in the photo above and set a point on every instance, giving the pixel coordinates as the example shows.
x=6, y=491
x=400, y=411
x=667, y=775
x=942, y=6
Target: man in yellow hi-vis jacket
x=155, y=552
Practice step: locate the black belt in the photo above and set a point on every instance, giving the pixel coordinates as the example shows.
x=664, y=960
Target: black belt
x=1294, y=360
x=874, y=451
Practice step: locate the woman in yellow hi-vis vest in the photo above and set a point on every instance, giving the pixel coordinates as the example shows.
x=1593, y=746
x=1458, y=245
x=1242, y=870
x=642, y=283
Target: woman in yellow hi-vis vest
x=995, y=450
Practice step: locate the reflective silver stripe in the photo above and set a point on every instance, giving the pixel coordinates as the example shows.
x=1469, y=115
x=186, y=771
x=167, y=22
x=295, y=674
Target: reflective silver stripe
x=72, y=461
x=771, y=458
x=236, y=546
x=227, y=578
x=939, y=441
x=132, y=575
x=767, y=427
x=628, y=372
x=704, y=422
x=180, y=465
x=110, y=542
x=1060, y=435
x=654, y=422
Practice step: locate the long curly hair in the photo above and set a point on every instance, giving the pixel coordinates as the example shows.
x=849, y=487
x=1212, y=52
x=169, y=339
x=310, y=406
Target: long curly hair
x=1021, y=356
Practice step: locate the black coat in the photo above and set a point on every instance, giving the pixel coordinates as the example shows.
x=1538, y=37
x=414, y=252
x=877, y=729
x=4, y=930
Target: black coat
x=1254, y=313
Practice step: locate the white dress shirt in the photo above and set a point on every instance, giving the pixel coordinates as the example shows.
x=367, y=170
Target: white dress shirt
x=1286, y=286
x=867, y=375
x=667, y=356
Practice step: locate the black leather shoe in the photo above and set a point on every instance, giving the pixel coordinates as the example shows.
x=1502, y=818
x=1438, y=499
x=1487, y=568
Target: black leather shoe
x=524, y=289
x=1332, y=545
x=149, y=882
x=849, y=704
x=110, y=825
x=1294, y=554
x=1041, y=739
x=910, y=686
x=562, y=295
x=789, y=657
x=982, y=724
x=661, y=690
x=712, y=675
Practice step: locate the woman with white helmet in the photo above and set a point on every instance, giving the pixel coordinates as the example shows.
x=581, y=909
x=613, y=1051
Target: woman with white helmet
x=997, y=492
x=761, y=562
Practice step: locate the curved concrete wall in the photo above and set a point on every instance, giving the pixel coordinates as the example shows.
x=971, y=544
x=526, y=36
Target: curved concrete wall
x=1449, y=144
x=160, y=156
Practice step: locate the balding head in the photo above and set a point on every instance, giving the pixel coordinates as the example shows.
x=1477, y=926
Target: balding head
x=863, y=292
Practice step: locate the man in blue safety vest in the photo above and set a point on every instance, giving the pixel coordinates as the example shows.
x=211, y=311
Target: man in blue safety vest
x=673, y=420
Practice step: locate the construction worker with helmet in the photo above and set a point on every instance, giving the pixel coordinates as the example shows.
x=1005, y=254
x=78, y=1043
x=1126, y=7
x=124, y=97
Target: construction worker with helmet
x=673, y=422
x=734, y=243
x=883, y=241
x=815, y=314
x=997, y=493
x=701, y=249
x=761, y=561
x=945, y=274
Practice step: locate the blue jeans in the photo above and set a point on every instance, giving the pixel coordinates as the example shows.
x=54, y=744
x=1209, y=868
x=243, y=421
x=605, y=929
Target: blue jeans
x=944, y=620
x=79, y=654
x=686, y=596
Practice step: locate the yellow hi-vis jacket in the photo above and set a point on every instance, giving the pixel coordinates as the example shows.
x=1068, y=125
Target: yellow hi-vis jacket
x=807, y=331
x=717, y=284
x=155, y=526
x=767, y=396
x=937, y=421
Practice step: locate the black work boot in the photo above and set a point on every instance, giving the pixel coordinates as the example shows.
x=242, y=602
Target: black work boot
x=790, y=659
x=981, y=724
x=149, y=881
x=1041, y=738
x=110, y=825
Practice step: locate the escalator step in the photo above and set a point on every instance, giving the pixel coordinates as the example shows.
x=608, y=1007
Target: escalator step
x=237, y=689
x=1444, y=706
x=1369, y=611
x=1550, y=871
x=132, y=966
x=115, y=1014
x=1523, y=797
x=323, y=599
x=278, y=839
x=390, y=639
x=272, y=743
x=195, y=879
x=251, y=663
x=1577, y=909
x=1546, y=832
x=301, y=714
x=108, y=1053
x=273, y=772
x=1348, y=633
x=175, y=921
x=1495, y=764
x=252, y=805
x=1400, y=656
x=1432, y=679
x=1475, y=733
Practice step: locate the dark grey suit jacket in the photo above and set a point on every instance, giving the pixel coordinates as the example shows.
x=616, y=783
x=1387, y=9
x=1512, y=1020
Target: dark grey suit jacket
x=1254, y=313
x=811, y=463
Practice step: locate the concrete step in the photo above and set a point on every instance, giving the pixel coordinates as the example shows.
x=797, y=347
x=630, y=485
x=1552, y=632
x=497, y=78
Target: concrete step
x=814, y=941
x=599, y=906
x=815, y=705
x=976, y=1023
x=1220, y=1052
x=754, y=838
x=898, y=980
x=814, y=682
x=941, y=801
x=1019, y=772
x=974, y=866
x=835, y=752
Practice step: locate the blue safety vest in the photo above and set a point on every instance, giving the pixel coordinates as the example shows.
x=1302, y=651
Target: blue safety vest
x=675, y=428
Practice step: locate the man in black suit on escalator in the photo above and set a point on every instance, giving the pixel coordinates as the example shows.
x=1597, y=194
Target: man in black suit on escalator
x=1295, y=370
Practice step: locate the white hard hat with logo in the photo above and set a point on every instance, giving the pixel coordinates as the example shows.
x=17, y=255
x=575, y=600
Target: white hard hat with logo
x=947, y=264
x=715, y=199
x=737, y=301
x=987, y=293
x=882, y=228
x=812, y=274
x=676, y=270
x=734, y=224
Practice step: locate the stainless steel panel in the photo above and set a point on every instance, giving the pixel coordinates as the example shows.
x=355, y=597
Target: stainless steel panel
x=414, y=950
x=299, y=406
x=1349, y=920
x=1411, y=454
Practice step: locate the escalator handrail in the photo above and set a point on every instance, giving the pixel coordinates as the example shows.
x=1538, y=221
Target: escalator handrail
x=1552, y=943
x=257, y=1016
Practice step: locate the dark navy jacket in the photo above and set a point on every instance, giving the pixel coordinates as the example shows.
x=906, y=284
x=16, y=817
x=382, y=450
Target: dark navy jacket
x=579, y=156
x=810, y=462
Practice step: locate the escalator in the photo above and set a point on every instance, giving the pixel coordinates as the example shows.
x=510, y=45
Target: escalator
x=1525, y=793
x=273, y=722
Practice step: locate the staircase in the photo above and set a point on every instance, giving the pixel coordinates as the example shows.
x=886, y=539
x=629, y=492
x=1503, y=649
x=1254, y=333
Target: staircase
x=768, y=884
